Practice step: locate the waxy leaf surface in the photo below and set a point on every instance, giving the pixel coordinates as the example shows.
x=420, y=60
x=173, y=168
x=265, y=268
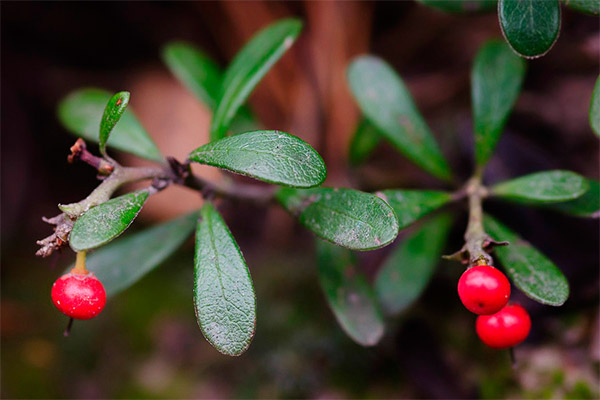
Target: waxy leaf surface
x=531, y=27
x=364, y=141
x=496, y=80
x=588, y=205
x=346, y=217
x=410, y=205
x=101, y=224
x=224, y=297
x=349, y=294
x=591, y=7
x=112, y=113
x=270, y=156
x=122, y=263
x=247, y=69
x=543, y=187
x=385, y=100
x=408, y=269
x=81, y=113
x=531, y=271
x=595, y=108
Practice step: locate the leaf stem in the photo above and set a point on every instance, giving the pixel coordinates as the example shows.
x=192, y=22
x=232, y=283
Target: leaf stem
x=476, y=240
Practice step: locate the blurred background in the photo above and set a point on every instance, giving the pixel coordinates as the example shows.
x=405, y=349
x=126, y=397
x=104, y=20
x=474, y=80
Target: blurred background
x=146, y=344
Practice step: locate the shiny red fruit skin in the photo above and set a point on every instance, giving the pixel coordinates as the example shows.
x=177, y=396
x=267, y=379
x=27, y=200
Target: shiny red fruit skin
x=79, y=296
x=507, y=328
x=483, y=289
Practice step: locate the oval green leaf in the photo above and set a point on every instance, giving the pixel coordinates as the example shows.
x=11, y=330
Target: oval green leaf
x=410, y=205
x=461, y=6
x=543, y=187
x=496, y=80
x=591, y=7
x=595, y=108
x=248, y=67
x=224, y=297
x=408, y=269
x=81, y=112
x=349, y=294
x=346, y=217
x=270, y=156
x=112, y=113
x=587, y=206
x=101, y=224
x=364, y=141
x=120, y=264
x=386, y=102
x=195, y=70
x=533, y=273
x=531, y=27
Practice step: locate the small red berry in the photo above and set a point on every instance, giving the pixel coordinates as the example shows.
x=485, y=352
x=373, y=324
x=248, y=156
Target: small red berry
x=79, y=295
x=507, y=328
x=483, y=289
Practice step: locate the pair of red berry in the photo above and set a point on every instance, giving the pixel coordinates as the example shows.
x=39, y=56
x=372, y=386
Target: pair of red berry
x=79, y=294
x=485, y=291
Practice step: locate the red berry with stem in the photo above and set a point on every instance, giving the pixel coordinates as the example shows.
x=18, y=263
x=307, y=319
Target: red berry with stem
x=483, y=289
x=507, y=328
x=79, y=294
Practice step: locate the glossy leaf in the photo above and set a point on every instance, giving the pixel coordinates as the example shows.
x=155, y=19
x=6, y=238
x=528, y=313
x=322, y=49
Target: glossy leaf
x=122, y=263
x=595, y=108
x=349, y=294
x=591, y=7
x=271, y=156
x=112, y=113
x=461, y=6
x=346, y=217
x=224, y=297
x=387, y=103
x=531, y=27
x=588, y=205
x=195, y=70
x=247, y=69
x=533, y=273
x=543, y=187
x=365, y=140
x=101, y=224
x=410, y=205
x=81, y=112
x=496, y=80
x=408, y=269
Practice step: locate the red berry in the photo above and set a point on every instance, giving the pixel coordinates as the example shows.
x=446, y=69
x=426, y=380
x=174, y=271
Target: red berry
x=507, y=328
x=483, y=289
x=79, y=296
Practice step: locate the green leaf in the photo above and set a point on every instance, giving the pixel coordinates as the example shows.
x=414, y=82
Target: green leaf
x=112, y=113
x=387, y=103
x=365, y=140
x=461, y=6
x=224, y=297
x=543, y=187
x=195, y=70
x=122, y=263
x=585, y=6
x=595, y=108
x=81, y=111
x=496, y=80
x=410, y=205
x=531, y=27
x=408, y=269
x=349, y=294
x=247, y=69
x=271, y=156
x=346, y=217
x=101, y=224
x=588, y=205
x=533, y=273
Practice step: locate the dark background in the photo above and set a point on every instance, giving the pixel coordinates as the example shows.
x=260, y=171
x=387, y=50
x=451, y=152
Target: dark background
x=146, y=343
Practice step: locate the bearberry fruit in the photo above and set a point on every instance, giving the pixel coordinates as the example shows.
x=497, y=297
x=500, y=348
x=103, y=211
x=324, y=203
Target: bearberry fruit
x=79, y=295
x=483, y=289
x=507, y=328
